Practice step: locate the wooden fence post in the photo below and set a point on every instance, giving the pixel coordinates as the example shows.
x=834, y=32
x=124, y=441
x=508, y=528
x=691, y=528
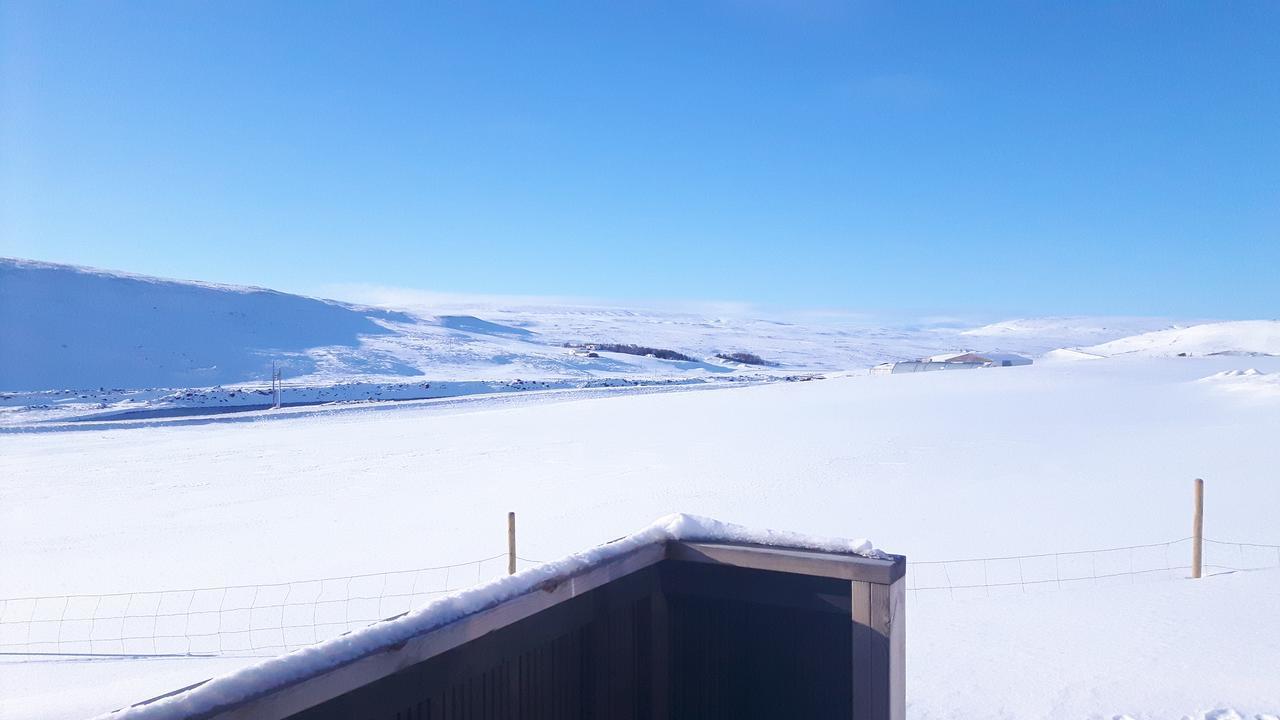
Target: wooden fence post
x=511, y=543
x=1197, y=531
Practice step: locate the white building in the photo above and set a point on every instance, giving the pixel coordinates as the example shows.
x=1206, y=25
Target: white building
x=994, y=359
x=951, y=361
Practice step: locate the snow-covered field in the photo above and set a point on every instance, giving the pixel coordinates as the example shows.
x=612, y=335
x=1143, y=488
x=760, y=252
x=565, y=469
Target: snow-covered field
x=1057, y=456
x=123, y=470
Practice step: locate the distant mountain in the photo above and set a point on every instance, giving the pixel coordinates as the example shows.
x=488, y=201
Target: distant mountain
x=1242, y=337
x=1066, y=330
x=64, y=327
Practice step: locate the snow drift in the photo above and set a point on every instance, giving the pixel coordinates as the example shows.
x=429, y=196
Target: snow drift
x=1250, y=382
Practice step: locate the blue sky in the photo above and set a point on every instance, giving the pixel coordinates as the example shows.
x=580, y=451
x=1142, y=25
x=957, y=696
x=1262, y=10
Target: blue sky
x=1020, y=158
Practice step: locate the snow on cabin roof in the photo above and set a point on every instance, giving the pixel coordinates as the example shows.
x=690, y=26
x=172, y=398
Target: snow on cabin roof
x=951, y=357
x=1001, y=356
x=971, y=356
x=275, y=673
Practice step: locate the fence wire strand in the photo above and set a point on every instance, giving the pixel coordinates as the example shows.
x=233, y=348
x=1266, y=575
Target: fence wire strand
x=1022, y=574
x=273, y=618
x=231, y=621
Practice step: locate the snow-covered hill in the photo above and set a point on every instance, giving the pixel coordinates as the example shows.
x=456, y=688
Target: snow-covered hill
x=76, y=340
x=67, y=327
x=71, y=327
x=82, y=329
x=1242, y=337
x=1064, y=331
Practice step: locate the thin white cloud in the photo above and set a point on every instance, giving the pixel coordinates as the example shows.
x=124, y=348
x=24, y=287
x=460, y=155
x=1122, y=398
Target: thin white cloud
x=436, y=301
x=431, y=302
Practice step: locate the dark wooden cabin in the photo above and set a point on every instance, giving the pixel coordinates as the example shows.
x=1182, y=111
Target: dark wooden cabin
x=673, y=629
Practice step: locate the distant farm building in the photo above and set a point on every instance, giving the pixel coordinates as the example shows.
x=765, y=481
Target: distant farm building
x=689, y=618
x=982, y=359
x=951, y=361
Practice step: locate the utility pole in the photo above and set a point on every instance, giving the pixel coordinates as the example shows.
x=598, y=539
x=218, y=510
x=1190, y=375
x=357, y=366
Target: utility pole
x=275, y=385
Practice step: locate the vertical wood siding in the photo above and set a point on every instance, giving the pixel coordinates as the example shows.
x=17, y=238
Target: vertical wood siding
x=676, y=640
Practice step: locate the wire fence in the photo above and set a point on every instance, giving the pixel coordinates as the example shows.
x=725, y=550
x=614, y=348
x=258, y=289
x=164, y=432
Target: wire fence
x=271, y=619
x=234, y=621
x=1022, y=574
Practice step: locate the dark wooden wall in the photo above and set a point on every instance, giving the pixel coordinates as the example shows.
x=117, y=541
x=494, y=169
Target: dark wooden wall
x=676, y=640
x=753, y=644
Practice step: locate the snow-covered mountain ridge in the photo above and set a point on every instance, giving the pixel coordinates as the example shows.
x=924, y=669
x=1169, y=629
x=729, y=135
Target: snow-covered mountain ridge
x=73, y=328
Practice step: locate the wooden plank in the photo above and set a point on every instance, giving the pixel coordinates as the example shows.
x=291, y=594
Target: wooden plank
x=810, y=593
x=881, y=689
x=511, y=543
x=660, y=655
x=736, y=658
x=879, y=648
x=863, y=650
x=1197, y=530
x=802, y=562
x=898, y=649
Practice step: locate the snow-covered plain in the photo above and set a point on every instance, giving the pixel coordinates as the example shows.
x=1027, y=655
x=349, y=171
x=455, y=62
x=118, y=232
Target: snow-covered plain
x=1056, y=456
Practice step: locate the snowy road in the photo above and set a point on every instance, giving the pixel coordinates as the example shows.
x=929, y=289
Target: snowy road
x=465, y=400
